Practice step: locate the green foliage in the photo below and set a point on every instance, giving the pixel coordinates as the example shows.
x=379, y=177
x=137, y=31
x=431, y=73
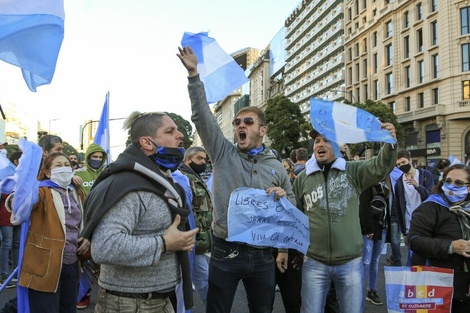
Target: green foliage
x=183, y=126
x=286, y=125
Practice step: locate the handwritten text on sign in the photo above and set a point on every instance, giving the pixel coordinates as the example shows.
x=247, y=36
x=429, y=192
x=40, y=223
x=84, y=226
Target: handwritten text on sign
x=255, y=218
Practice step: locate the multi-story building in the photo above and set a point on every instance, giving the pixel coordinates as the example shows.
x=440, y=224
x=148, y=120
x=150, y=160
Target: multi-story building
x=414, y=56
x=314, y=53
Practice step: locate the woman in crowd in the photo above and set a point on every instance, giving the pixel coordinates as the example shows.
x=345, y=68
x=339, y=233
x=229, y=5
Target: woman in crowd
x=440, y=231
x=50, y=266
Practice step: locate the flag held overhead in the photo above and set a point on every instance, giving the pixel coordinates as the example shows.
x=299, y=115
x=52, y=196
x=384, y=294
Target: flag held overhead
x=218, y=70
x=31, y=34
x=341, y=123
x=102, y=137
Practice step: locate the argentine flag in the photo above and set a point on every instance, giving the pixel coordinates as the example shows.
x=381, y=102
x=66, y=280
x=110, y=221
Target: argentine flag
x=218, y=70
x=102, y=133
x=341, y=123
x=31, y=33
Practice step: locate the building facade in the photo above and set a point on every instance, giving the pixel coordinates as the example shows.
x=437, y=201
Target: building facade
x=414, y=56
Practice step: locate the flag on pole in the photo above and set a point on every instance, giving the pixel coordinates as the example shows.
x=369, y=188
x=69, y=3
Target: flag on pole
x=31, y=33
x=102, y=133
x=218, y=70
x=341, y=123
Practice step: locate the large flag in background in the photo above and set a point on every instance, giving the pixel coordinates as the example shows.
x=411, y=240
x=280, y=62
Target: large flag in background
x=31, y=33
x=102, y=133
x=341, y=123
x=218, y=70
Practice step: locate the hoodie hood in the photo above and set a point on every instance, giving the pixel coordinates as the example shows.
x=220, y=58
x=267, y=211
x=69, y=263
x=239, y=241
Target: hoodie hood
x=92, y=149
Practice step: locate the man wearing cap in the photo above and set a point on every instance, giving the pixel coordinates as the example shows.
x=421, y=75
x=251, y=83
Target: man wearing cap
x=328, y=193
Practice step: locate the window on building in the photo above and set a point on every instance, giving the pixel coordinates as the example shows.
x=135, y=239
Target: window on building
x=358, y=94
x=407, y=46
x=419, y=11
x=421, y=71
x=357, y=72
x=349, y=30
x=389, y=54
x=435, y=66
x=366, y=92
x=434, y=33
x=374, y=12
x=433, y=5
x=419, y=39
x=350, y=54
x=357, y=7
x=391, y=105
x=407, y=107
x=433, y=138
x=435, y=96
x=376, y=63
x=364, y=4
x=389, y=29
x=465, y=20
x=364, y=43
x=349, y=14
x=465, y=57
x=420, y=100
x=350, y=75
x=406, y=19
x=408, y=76
x=466, y=90
x=375, y=39
x=389, y=80
x=376, y=90
x=357, y=49
x=364, y=68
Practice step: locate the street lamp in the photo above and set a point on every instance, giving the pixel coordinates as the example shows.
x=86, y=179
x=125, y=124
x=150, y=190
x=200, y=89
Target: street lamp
x=90, y=122
x=346, y=92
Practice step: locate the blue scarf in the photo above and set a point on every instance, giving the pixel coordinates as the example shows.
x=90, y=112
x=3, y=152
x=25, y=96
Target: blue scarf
x=50, y=183
x=255, y=151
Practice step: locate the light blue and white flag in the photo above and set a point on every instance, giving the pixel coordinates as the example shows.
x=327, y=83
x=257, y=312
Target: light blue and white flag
x=25, y=185
x=102, y=133
x=218, y=70
x=6, y=167
x=341, y=123
x=31, y=33
x=453, y=160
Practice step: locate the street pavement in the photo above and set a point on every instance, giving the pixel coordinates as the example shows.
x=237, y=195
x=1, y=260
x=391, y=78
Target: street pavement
x=240, y=304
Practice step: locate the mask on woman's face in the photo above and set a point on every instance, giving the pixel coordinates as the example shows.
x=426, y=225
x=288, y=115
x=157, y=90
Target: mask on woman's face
x=62, y=176
x=453, y=193
x=405, y=168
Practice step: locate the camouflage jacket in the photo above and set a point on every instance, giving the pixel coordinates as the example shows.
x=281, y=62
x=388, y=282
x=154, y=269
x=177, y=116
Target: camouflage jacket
x=202, y=209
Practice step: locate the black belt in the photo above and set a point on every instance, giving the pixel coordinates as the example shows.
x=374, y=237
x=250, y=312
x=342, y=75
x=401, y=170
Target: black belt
x=145, y=295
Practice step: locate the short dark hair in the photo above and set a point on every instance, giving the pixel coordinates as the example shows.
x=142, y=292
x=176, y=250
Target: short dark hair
x=442, y=164
x=15, y=156
x=292, y=155
x=47, y=142
x=257, y=111
x=143, y=124
x=301, y=154
x=404, y=154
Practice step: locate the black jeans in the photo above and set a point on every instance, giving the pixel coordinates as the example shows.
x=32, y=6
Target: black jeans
x=64, y=300
x=231, y=262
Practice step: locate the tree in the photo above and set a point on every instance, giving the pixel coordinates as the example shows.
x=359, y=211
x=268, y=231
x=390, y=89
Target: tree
x=286, y=124
x=183, y=126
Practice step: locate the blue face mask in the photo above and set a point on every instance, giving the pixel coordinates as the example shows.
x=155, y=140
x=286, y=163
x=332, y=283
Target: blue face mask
x=168, y=158
x=453, y=193
x=95, y=164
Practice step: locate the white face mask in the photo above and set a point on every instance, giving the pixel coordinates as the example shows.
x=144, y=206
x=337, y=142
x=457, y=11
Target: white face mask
x=62, y=176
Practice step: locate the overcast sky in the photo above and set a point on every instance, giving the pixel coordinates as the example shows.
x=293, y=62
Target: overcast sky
x=129, y=49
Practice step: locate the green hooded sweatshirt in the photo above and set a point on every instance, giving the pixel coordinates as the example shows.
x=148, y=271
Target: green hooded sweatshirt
x=87, y=173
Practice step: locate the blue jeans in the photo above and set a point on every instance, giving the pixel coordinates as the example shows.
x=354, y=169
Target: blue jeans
x=371, y=252
x=316, y=282
x=201, y=276
x=395, y=241
x=10, y=242
x=231, y=262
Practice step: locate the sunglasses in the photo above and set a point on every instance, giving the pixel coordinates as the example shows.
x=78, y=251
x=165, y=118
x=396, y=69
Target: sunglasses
x=247, y=120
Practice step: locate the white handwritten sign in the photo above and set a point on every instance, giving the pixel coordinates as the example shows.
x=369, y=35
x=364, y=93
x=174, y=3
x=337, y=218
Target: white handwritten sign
x=255, y=218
